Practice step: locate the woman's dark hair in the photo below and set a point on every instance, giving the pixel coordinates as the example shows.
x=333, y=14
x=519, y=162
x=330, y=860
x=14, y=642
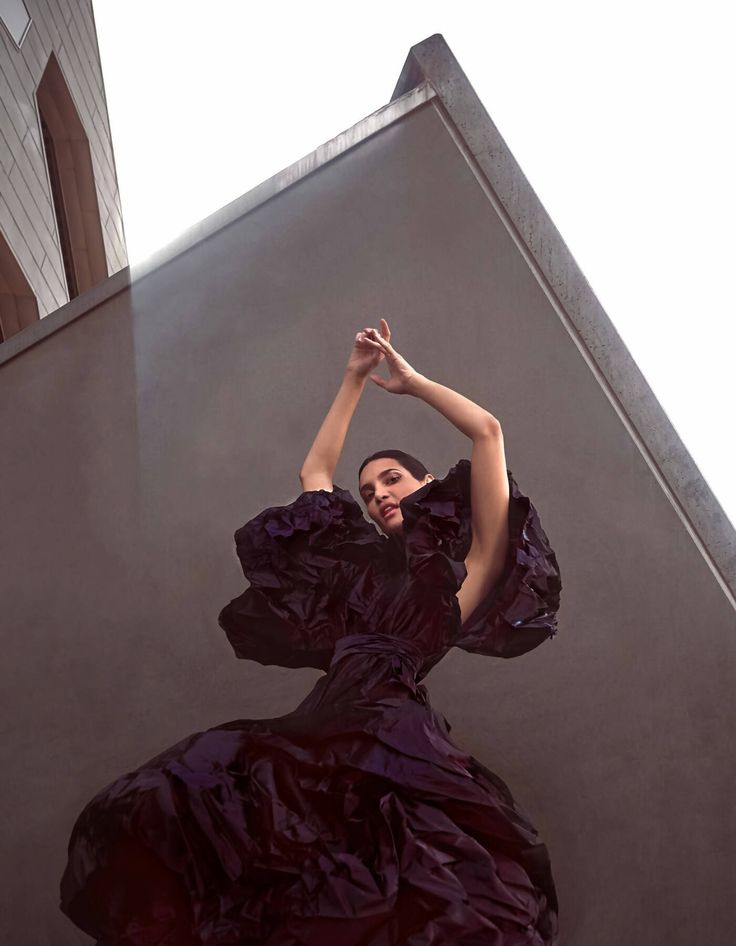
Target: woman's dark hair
x=417, y=469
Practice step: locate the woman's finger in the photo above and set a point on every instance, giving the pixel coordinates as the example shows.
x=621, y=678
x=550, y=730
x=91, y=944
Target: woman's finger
x=388, y=355
x=383, y=342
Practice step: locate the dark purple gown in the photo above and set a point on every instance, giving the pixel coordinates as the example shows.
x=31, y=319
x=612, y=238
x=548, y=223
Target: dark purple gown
x=354, y=820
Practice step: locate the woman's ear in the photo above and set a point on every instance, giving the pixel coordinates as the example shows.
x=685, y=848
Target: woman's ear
x=428, y=477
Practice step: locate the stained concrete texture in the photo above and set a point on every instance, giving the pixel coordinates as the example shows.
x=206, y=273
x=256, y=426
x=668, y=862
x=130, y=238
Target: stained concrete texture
x=153, y=416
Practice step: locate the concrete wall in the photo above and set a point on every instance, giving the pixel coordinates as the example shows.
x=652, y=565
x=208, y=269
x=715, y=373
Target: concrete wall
x=27, y=221
x=183, y=402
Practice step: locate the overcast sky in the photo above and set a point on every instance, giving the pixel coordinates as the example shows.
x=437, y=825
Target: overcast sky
x=621, y=116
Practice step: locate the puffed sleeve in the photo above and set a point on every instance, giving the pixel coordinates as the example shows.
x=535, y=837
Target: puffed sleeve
x=304, y=562
x=437, y=529
x=520, y=611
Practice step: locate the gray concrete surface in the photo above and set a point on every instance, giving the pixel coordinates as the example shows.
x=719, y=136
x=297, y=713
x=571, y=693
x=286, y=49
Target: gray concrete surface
x=140, y=432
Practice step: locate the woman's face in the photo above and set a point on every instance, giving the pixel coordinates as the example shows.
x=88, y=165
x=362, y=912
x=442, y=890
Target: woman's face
x=383, y=484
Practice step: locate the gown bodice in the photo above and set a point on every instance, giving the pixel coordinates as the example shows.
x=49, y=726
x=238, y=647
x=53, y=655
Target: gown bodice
x=319, y=572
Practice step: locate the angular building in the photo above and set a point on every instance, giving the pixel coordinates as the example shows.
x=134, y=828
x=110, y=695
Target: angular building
x=61, y=226
x=156, y=412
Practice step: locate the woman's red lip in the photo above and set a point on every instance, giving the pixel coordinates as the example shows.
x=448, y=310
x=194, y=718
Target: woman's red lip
x=388, y=511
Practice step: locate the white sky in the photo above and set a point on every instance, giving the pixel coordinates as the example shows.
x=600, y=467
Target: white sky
x=620, y=115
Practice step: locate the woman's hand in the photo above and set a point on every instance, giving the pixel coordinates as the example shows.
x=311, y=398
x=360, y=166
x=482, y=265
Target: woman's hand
x=402, y=374
x=365, y=357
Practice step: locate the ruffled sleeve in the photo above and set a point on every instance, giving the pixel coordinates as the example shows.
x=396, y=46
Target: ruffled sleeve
x=437, y=529
x=520, y=611
x=303, y=561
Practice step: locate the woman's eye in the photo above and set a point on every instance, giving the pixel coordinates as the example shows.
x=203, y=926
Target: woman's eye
x=392, y=479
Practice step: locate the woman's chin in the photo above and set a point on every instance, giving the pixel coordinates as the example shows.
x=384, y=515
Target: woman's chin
x=393, y=527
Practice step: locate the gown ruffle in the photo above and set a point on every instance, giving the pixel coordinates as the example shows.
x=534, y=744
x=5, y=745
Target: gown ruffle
x=353, y=820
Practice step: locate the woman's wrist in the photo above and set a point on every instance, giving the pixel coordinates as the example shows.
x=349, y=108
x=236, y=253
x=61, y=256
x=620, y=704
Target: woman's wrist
x=417, y=385
x=355, y=377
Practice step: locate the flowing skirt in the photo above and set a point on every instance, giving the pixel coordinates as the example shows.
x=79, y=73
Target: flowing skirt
x=352, y=821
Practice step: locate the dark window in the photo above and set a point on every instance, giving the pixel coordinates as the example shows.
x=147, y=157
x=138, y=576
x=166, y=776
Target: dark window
x=56, y=193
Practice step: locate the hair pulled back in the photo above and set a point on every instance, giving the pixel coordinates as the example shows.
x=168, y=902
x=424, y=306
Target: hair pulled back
x=417, y=469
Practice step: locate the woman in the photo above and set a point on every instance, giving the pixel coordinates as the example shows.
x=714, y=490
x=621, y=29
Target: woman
x=354, y=820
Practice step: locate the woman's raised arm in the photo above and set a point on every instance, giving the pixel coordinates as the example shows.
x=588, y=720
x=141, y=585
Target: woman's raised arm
x=489, y=486
x=321, y=461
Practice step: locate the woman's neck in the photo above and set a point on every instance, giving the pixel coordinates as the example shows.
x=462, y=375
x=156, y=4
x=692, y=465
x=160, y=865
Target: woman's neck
x=396, y=548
